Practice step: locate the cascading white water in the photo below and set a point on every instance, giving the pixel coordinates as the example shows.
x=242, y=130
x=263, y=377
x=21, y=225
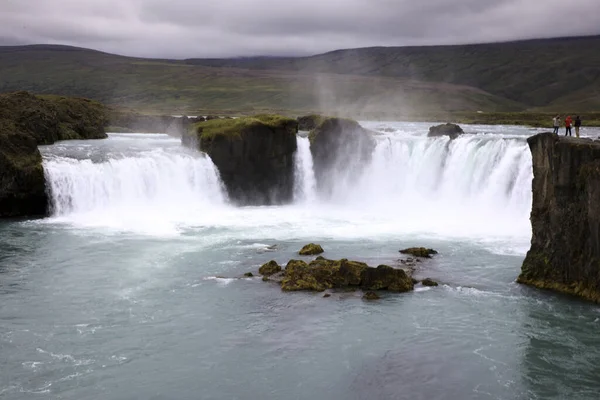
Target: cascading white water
x=473, y=184
x=476, y=185
x=305, y=185
x=153, y=190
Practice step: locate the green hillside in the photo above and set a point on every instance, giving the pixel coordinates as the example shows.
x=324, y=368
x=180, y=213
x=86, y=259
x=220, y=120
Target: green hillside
x=545, y=75
x=536, y=73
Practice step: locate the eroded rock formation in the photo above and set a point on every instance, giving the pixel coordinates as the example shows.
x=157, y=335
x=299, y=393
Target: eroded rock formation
x=27, y=121
x=340, y=148
x=254, y=156
x=565, y=216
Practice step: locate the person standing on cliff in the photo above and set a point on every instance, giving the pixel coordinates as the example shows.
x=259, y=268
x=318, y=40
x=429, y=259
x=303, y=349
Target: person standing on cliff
x=577, y=125
x=556, y=123
x=568, y=123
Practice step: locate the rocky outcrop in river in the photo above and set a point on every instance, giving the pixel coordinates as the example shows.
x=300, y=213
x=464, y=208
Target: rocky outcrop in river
x=254, y=156
x=565, y=216
x=451, y=130
x=27, y=121
x=340, y=149
x=322, y=274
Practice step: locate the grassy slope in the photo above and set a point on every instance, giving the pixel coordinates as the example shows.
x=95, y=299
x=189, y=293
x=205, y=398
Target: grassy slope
x=173, y=86
x=538, y=73
x=555, y=75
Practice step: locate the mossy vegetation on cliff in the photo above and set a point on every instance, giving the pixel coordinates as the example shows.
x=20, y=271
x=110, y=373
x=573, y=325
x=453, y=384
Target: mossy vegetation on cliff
x=234, y=128
x=27, y=121
x=254, y=155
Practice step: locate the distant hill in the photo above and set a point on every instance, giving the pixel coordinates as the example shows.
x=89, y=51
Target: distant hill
x=551, y=74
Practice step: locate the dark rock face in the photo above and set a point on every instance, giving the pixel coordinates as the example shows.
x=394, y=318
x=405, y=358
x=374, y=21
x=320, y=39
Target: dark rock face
x=311, y=249
x=422, y=252
x=254, y=156
x=371, y=296
x=386, y=278
x=448, y=129
x=27, y=121
x=22, y=183
x=565, y=217
x=323, y=274
x=340, y=149
x=309, y=122
x=429, y=282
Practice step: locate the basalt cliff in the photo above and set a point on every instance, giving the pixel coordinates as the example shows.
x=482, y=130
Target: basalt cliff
x=565, y=216
x=27, y=121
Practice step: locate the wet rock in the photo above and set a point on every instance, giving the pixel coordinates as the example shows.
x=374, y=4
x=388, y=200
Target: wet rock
x=429, y=282
x=311, y=249
x=326, y=295
x=299, y=276
x=451, y=130
x=385, y=277
x=419, y=252
x=371, y=296
x=265, y=279
x=309, y=122
x=341, y=149
x=248, y=274
x=269, y=268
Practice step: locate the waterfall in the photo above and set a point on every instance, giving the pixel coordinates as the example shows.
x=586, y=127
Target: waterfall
x=305, y=185
x=473, y=183
x=154, y=189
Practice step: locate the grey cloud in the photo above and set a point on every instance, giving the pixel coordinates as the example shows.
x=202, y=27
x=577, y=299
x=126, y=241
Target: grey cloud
x=217, y=28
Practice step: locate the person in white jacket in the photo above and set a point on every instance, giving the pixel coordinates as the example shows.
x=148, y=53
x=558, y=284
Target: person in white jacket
x=556, y=123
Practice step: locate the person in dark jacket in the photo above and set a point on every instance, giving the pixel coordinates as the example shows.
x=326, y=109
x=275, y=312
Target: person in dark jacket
x=568, y=123
x=577, y=125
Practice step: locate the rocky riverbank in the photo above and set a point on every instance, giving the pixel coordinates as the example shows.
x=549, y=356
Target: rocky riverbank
x=27, y=121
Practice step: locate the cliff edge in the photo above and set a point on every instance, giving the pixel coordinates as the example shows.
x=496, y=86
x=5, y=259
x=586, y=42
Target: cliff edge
x=27, y=121
x=565, y=216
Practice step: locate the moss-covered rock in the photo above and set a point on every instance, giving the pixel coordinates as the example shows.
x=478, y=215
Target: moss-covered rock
x=451, y=130
x=269, y=268
x=311, y=249
x=309, y=122
x=27, y=121
x=22, y=183
x=371, y=296
x=254, y=155
x=385, y=277
x=422, y=252
x=429, y=282
x=325, y=274
x=340, y=148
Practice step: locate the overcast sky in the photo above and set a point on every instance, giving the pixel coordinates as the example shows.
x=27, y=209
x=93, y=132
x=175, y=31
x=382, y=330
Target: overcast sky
x=223, y=28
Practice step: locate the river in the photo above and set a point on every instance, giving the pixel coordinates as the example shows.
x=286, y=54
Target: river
x=132, y=288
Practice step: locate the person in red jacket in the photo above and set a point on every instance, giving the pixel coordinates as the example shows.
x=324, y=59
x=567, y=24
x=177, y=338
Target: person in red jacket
x=568, y=123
